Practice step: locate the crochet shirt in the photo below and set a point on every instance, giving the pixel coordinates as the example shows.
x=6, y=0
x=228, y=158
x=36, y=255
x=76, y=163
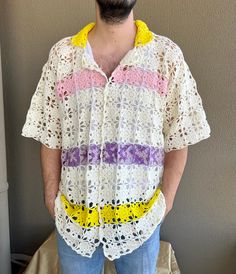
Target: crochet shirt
x=113, y=134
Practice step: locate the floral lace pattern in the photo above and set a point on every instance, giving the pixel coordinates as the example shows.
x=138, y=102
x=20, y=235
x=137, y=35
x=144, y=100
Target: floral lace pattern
x=89, y=216
x=85, y=79
x=113, y=153
x=43, y=120
x=113, y=135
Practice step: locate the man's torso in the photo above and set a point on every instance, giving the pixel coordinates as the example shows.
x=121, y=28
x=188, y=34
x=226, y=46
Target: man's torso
x=112, y=157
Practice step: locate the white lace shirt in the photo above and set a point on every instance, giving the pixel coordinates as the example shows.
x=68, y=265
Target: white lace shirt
x=113, y=134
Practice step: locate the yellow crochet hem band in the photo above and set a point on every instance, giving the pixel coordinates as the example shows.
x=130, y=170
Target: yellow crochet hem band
x=89, y=217
x=143, y=34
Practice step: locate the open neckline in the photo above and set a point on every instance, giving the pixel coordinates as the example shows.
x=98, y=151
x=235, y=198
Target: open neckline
x=88, y=49
x=143, y=37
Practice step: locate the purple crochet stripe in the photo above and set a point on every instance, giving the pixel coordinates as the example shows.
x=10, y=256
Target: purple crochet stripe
x=113, y=153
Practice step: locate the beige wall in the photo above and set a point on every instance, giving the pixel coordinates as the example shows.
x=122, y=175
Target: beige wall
x=202, y=225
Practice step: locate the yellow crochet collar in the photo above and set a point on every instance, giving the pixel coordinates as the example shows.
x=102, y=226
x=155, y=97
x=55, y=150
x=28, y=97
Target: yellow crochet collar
x=143, y=35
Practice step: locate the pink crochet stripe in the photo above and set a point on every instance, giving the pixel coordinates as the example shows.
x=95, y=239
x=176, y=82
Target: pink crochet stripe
x=78, y=81
x=139, y=77
x=123, y=75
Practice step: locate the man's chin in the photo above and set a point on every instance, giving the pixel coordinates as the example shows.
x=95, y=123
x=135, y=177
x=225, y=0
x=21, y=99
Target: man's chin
x=115, y=12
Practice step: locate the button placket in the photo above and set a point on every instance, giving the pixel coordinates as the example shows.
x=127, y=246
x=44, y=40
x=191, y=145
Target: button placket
x=105, y=92
x=91, y=64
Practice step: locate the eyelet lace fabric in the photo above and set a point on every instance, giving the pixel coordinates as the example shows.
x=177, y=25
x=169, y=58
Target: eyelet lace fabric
x=113, y=135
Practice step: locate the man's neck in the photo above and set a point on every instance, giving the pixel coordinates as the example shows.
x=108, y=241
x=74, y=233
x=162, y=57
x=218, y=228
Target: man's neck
x=113, y=36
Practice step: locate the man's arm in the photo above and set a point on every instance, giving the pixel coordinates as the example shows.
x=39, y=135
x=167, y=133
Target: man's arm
x=174, y=165
x=51, y=172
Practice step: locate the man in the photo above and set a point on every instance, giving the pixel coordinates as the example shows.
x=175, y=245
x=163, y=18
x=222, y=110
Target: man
x=115, y=110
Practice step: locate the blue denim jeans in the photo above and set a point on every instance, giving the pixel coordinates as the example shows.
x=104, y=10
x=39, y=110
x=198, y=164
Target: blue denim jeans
x=142, y=260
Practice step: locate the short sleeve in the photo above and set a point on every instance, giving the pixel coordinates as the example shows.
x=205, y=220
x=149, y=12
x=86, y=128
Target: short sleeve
x=43, y=119
x=185, y=121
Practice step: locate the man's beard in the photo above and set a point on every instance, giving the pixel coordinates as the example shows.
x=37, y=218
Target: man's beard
x=115, y=11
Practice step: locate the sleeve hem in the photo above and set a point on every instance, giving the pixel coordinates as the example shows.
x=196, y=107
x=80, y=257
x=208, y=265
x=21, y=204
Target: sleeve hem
x=42, y=141
x=183, y=145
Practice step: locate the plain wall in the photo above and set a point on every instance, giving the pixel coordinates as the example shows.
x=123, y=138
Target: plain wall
x=202, y=224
